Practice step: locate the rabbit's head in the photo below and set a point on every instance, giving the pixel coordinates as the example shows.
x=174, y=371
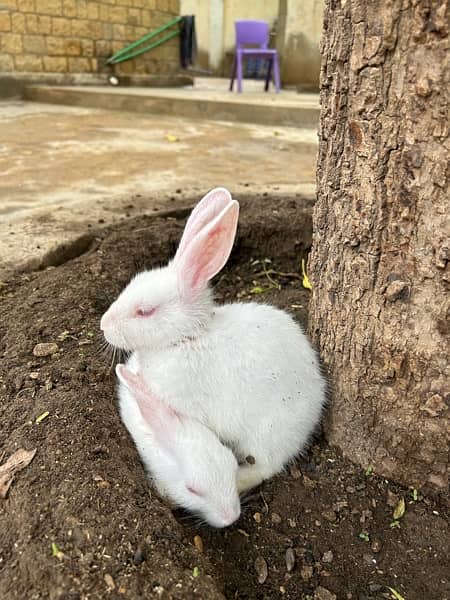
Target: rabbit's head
x=161, y=307
x=193, y=468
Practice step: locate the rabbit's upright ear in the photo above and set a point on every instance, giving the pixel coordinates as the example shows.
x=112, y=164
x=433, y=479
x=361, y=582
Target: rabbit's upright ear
x=206, y=210
x=208, y=252
x=160, y=418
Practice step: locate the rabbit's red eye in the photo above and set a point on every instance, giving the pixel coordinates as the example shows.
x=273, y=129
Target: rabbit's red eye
x=144, y=312
x=192, y=490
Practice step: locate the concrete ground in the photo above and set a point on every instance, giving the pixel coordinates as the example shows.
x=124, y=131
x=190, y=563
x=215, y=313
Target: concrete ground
x=67, y=170
x=209, y=98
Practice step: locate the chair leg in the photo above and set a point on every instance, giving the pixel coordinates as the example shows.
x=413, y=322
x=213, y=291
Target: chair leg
x=233, y=74
x=239, y=72
x=276, y=73
x=269, y=74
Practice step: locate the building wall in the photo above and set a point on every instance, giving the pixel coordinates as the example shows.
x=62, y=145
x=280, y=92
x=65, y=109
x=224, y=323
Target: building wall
x=214, y=22
x=77, y=36
x=298, y=37
x=298, y=25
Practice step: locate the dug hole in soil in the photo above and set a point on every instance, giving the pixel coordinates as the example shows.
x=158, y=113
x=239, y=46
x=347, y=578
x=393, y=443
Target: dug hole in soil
x=82, y=521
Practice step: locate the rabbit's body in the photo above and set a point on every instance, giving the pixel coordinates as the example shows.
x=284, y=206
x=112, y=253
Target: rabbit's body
x=245, y=371
x=251, y=376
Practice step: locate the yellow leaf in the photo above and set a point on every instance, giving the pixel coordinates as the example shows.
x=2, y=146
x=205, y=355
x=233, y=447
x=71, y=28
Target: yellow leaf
x=399, y=510
x=42, y=417
x=257, y=290
x=306, y=283
x=395, y=594
x=171, y=138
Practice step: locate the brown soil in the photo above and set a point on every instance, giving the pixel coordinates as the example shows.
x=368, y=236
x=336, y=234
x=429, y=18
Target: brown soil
x=86, y=491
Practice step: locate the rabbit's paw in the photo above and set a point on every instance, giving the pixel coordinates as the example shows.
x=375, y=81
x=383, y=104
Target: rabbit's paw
x=248, y=477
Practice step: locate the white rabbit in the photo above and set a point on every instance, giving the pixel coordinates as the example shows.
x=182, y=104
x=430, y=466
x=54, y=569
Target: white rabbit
x=186, y=460
x=246, y=371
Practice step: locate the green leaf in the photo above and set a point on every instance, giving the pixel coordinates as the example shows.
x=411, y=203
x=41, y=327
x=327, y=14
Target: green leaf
x=394, y=524
x=57, y=552
x=195, y=572
x=257, y=290
x=364, y=536
x=396, y=595
x=368, y=471
x=414, y=495
x=399, y=510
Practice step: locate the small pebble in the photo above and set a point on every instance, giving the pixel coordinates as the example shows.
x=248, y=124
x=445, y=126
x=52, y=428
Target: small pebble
x=101, y=483
x=290, y=559
x=276, y=519
x=109, y=581
x=45, y=349
x=306, y=572
x=198, y=543
x=376, y=545
x=250, y=459
x=327, y=557
x=322, y=593
x=257, y=517
x=261, y=569
x=138, y=557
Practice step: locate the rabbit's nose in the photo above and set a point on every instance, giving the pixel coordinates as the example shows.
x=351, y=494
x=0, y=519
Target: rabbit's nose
x=107, y=320
x=230, y=515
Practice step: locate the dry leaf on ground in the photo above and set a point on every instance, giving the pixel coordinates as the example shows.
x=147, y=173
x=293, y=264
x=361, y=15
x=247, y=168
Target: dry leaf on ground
x=16, y=462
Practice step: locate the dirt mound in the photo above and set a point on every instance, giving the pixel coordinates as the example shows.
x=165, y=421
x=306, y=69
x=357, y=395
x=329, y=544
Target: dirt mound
x=81, y=521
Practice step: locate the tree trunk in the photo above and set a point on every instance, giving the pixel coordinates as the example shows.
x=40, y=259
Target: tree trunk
x=380, y=260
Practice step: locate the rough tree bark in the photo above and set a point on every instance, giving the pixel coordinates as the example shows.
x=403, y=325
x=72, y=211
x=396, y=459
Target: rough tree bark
x=380, y=260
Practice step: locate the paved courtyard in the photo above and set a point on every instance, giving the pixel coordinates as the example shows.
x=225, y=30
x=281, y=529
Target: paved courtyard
x=65, y=169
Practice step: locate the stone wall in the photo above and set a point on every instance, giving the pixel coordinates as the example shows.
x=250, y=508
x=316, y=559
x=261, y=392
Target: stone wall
x=65, y=37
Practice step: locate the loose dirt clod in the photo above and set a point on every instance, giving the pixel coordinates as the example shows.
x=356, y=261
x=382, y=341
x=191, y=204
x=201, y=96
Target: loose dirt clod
x=45, y=349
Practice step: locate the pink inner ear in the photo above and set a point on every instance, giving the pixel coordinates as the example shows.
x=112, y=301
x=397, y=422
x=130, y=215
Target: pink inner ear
x=206, y=210
x=160, y=417
x=209, y=251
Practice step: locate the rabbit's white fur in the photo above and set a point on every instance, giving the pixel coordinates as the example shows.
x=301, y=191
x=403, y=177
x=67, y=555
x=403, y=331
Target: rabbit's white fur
x=246, y=371
x=186, y=460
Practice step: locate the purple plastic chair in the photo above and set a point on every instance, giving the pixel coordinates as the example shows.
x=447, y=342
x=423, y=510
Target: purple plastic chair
x=257, y=34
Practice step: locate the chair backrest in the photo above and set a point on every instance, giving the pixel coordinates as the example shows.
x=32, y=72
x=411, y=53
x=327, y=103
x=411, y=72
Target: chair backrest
x=255, y=33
